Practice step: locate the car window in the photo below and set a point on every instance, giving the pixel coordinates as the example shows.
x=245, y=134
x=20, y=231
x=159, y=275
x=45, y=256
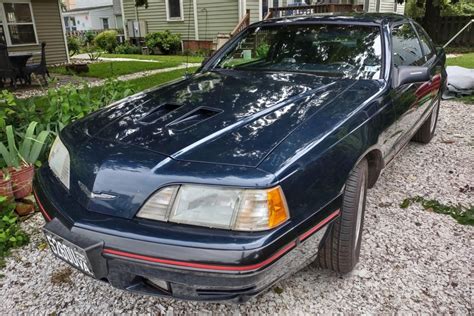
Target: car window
x=348, y=51
x=406, y=47
x=426, y=43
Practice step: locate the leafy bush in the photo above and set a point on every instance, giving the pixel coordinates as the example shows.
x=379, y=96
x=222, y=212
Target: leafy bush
x=262, y=50
x=73, y=45
x=166, y=42
x=11, y=236
x=127, y=48
x=107, y=40
x=89, y=37
x=58, y=108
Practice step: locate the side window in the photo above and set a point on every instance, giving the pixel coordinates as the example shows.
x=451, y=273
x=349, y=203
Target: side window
x=406, y=47
x=426, y=43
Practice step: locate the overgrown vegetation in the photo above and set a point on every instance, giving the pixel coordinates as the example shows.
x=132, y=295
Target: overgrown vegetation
x=107, y=40
x=464, y=215
x=11, y=236
x=166, y=42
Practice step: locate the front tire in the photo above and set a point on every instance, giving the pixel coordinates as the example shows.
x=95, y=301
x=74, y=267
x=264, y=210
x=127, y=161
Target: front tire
x=427, y=130
x=340, y=248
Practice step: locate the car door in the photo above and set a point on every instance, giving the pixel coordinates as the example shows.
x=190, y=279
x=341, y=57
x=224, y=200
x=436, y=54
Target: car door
x=408, y=100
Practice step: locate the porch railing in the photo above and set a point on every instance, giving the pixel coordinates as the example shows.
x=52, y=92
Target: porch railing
x=243, y=23
x=313, y=9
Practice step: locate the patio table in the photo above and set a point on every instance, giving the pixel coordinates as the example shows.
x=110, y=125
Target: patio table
x=19, y=61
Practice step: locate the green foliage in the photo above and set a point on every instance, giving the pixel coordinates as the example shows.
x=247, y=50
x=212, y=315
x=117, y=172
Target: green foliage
x=262, y=50
x=71, y=102
x=166, y=42
x=107, y=40
x=464, y=215
x=28, y=150
x=89, y=37
x=127, y=48
x=416, y=9
x=73, y=45
x=11, y=236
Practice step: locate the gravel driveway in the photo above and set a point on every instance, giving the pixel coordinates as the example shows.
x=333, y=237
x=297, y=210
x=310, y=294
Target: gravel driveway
x=411, y=259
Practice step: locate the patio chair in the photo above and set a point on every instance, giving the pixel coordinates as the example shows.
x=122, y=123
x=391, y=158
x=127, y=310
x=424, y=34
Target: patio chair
x=7, y=69
x=38, y=69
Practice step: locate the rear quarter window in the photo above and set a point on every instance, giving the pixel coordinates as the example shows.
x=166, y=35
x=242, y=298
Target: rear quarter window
x=406, y=49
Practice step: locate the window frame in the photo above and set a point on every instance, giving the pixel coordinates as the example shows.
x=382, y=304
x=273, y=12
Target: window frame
x=418, y=28
x=174, y=19
x=5, y=23
x=395, y=25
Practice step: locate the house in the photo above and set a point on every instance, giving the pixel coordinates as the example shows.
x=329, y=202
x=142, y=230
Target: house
x=25, y=24
x=202, y=23
x=86, y=15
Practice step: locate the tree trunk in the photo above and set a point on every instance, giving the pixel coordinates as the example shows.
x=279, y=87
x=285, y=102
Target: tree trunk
x=432, y=17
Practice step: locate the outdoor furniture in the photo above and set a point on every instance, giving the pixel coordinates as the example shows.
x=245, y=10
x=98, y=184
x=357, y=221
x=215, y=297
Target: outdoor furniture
x=7, y=68
x=38, y=69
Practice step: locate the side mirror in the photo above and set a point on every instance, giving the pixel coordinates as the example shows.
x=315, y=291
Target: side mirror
x=411, y=74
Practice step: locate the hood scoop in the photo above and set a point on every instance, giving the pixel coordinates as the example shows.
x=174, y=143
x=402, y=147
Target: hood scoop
x=192, y=118
x=159, y=113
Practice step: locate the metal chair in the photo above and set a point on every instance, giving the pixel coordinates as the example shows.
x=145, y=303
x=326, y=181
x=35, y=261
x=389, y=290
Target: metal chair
x=38, y=69
x=7, y=70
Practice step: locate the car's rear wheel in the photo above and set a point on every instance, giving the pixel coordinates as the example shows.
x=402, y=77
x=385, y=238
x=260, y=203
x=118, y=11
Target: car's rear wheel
x=427, y=130
x=341, y=246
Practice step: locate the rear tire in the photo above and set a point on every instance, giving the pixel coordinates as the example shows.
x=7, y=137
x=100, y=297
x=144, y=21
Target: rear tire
x=340, y=248
x=427, y=130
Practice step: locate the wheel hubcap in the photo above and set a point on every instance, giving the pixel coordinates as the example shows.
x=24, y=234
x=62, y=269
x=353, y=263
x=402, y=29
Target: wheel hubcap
x=359, y=212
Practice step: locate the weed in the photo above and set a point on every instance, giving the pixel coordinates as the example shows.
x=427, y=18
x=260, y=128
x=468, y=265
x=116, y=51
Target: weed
x=462, y=214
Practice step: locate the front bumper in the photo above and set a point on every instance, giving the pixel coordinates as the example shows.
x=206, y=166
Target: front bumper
x=135, y=265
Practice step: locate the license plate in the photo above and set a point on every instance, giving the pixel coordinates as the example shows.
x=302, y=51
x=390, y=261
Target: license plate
x=69, y=252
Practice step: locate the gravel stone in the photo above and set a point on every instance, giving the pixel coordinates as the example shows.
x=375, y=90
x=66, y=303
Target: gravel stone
x=412, y=260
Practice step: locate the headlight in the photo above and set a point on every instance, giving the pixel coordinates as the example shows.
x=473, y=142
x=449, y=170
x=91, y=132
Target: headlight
x=59, y=161
x=210, y=206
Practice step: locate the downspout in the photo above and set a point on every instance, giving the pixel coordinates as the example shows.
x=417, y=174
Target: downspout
x=196, y=22
x=125, y=33
x=64, y=31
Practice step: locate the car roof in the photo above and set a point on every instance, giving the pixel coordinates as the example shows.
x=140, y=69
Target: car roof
x=369, y=18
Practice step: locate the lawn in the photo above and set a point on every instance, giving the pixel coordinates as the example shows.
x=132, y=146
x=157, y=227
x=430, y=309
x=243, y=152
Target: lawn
x=465, y=60
x=163, y=58
x=117, y=68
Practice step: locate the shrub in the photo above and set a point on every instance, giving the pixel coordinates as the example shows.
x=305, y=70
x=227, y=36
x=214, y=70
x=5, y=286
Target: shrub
x=73, y=45
x=107, y=40
x=89, y=37
x=127, y=48
x=166, y=42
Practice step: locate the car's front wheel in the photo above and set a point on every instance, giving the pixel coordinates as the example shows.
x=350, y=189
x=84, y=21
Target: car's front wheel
x=341, y=246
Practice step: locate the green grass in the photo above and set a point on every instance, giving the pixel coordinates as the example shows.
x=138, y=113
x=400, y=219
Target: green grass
x=466, y=60
x=137, y=85
x=163, y=58
x=117, y=68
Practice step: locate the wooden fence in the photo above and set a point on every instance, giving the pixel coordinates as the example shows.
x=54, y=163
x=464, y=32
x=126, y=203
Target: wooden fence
x=448, y=26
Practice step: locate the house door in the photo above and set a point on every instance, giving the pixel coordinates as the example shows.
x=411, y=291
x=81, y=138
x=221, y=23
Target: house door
x=267, y=4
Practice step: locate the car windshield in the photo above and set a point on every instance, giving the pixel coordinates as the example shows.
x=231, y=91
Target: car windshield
x=334, y=50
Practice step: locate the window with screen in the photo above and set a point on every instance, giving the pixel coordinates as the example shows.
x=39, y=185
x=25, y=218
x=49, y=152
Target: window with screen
x=174, y=8
x=17, y=20
x=406, y=47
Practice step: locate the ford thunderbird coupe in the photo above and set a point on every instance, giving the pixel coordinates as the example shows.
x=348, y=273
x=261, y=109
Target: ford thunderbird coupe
x=215, y=186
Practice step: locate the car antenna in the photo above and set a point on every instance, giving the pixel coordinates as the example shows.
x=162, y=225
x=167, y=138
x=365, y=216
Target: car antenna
x=186, y=72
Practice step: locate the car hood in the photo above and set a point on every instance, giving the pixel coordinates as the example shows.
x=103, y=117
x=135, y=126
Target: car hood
x=224, y=117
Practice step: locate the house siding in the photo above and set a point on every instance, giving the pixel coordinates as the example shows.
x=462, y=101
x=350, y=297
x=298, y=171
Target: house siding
x=222, y=17
x=253, y=6
x=155, y=17
x=49, y=29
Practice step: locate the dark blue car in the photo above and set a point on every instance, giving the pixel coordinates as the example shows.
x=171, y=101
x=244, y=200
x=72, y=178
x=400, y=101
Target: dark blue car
x=215, y=186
